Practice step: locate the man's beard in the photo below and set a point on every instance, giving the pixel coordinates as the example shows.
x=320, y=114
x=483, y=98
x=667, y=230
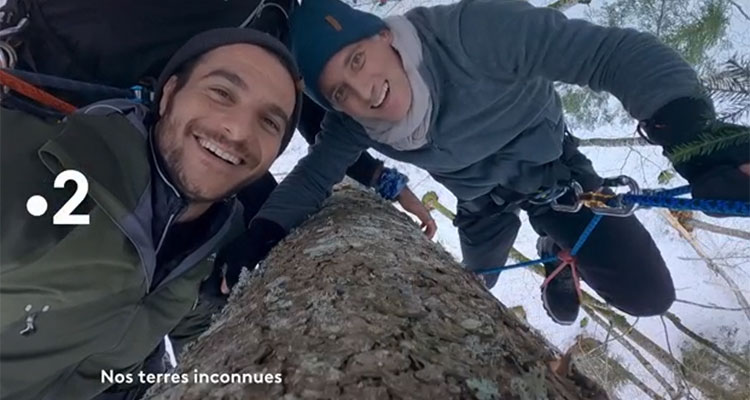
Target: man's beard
x=172, y=156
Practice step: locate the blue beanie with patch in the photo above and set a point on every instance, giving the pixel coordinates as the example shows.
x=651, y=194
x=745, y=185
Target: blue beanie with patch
x=319, y=29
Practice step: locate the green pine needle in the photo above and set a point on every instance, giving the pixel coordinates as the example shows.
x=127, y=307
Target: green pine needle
x=711, y=142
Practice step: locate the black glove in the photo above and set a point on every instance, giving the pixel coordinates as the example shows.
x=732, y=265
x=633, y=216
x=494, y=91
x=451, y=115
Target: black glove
x=715, y=175
x=248, y=249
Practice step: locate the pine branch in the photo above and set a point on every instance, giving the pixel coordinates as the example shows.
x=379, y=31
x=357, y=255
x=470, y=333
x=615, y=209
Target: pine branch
x=730, y=88
x=711, y=142
x=736, y=111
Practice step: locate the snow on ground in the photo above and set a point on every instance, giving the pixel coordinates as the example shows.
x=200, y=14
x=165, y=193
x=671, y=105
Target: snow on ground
x=691, y=277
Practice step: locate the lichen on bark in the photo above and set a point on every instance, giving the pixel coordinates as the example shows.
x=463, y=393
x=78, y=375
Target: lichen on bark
x=358, y=304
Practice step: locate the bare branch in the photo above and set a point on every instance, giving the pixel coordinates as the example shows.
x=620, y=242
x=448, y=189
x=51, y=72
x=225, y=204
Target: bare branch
x=711, y=265
x=727, y=358
x=669, y=347
x=698, y=224
x=739, y=8
x=564, y=5
x=710, y=306
x=661, y=19
x=637, y=354
x=614, y=142
x=632, y=349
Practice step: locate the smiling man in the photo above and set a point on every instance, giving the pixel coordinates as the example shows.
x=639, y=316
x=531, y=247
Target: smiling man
x=466, y=92
x=81, y=303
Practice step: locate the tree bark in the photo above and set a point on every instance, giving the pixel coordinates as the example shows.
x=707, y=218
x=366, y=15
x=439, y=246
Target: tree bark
x=358, y=304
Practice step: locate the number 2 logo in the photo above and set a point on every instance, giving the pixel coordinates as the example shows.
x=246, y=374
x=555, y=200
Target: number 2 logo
x=65, y=215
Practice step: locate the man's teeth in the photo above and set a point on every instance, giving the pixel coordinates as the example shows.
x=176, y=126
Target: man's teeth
x=383, y=94
x=216, y=150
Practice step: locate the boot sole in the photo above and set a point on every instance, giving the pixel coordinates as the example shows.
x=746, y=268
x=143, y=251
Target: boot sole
x=552, y=316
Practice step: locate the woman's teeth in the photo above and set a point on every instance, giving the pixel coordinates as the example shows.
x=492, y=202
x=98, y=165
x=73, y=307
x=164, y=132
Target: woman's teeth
x=218, y=152
x=383, y=95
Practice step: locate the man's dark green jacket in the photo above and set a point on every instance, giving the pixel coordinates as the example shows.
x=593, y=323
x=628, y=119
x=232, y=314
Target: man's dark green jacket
x=85, y=295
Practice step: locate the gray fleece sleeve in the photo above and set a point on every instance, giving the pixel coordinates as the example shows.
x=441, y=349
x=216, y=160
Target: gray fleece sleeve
x=302, y=192
x=511, y=39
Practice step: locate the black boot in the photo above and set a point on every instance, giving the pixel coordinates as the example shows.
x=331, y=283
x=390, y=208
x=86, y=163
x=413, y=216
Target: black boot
x=559, y=296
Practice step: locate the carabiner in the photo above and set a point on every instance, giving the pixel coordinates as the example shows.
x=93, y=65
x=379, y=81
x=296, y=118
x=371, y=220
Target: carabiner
x=616, y=207
x=8, y=56
x=548, y=195
x=569, y=208
x=12, y=30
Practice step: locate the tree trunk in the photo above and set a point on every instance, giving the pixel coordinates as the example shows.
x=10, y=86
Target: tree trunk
x=357, y=304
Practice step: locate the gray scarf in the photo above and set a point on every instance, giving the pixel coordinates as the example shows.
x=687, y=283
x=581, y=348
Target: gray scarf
x=411, y=132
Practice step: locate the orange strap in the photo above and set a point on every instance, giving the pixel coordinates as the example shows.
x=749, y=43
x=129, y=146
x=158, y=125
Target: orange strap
x=567, y=260
x=34, y=93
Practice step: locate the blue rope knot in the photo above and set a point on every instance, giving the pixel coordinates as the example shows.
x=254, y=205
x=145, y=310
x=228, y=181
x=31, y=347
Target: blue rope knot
x=391, y=183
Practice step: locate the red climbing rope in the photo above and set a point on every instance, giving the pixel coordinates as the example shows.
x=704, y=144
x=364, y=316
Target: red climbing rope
x=566, y=260
x=34, y=93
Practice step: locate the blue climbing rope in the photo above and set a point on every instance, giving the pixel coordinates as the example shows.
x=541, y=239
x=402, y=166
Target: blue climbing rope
x=663, y=198
x=668, y=199
x=678, y=191
x=581, y=240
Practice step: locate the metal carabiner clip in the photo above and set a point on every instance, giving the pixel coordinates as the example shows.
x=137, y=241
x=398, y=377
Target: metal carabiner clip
x=569, y=208
x=616, y=207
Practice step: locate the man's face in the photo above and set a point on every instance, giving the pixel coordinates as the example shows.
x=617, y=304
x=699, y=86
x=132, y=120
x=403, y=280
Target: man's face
x=222, y=129
x=367, y=80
